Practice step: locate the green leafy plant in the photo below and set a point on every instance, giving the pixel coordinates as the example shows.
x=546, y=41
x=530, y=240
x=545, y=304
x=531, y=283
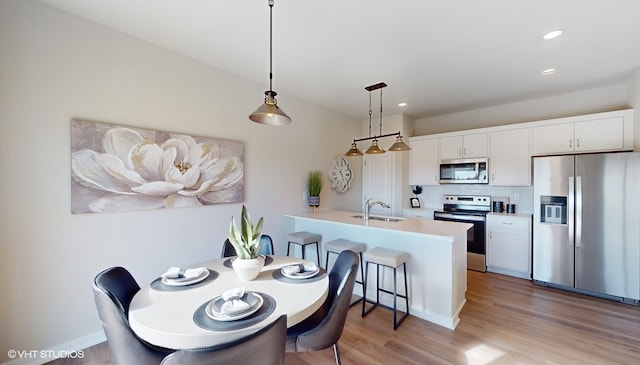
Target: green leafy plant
x=315, y=183
x=246, y=240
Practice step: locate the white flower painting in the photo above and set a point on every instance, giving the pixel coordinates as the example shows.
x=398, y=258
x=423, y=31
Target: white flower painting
x=117, y=168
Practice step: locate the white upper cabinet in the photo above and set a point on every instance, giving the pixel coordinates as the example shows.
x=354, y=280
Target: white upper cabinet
x=510, y=147
x=599, y=135
x=509, y=158
x=611, y=131
x=466, y=146
x=423, y=161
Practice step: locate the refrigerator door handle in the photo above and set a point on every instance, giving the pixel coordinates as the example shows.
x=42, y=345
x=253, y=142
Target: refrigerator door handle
x=570, y=211
x=578, y=211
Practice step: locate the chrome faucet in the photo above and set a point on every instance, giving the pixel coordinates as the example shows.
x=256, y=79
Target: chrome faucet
x=369, y=204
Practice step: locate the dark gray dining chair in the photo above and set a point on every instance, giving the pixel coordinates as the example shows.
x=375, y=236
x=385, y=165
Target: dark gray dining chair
x=113, y=290
x=265, y=347
x=324, y=328
x=266, y=247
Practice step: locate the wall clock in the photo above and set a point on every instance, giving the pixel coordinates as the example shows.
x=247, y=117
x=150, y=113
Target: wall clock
x=340, y=175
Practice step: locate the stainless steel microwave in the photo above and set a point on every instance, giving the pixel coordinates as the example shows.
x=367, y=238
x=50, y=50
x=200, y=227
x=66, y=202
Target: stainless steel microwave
x=464, y=171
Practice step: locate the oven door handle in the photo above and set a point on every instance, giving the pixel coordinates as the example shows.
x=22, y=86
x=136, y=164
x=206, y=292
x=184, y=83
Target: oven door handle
x=472, y=218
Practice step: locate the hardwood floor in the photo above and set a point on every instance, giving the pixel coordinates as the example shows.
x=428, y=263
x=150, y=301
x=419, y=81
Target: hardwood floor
x=505, y=321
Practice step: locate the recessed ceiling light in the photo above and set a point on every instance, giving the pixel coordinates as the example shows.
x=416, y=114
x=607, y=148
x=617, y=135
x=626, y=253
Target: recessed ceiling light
x=552, y=34
x=548, y=71
x=402, y=104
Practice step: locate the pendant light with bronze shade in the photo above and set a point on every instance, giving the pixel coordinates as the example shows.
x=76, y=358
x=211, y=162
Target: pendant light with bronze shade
x=269, y=113
x=375, y=148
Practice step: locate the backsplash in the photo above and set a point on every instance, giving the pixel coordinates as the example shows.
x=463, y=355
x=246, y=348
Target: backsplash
x=521, y=196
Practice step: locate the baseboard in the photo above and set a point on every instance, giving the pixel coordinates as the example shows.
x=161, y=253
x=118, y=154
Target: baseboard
x=71, y=349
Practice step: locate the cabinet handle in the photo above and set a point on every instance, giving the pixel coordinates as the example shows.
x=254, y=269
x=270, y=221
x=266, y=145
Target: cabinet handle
x=460, y=152
x=507, y=223
x=490, y=234
x=570, y=143
x=578, y=143
x=493, y=178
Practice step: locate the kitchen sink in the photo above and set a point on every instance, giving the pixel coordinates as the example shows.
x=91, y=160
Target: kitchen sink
x=377, y=218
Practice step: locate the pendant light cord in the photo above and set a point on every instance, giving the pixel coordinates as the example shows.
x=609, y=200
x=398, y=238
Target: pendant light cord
x=270, y=44
x=370, y=112
x=380, y=112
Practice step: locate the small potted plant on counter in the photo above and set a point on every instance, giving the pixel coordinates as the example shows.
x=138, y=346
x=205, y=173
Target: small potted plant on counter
x=246, y=242
x=314, y=186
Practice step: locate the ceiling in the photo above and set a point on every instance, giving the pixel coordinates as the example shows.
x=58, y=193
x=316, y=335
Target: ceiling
x=438, y=56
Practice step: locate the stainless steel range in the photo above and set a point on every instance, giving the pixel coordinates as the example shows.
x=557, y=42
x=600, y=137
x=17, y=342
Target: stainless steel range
x=469, y=209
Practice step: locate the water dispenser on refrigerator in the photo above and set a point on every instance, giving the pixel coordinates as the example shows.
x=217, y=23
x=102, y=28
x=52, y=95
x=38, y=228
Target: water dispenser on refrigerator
x=553, y=209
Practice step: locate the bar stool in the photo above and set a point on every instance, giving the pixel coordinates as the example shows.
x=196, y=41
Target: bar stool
x=392, y=259
x=303, y=239
x=339, y=245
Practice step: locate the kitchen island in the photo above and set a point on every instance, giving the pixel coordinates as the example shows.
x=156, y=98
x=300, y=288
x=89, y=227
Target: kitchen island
x=437, y=267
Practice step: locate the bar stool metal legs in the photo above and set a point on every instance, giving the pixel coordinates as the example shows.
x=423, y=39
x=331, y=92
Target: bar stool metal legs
x=380, y=257
x=303, y=239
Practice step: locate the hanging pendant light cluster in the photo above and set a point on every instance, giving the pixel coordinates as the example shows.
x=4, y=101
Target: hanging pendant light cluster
x=399, y=145
x=269, y=112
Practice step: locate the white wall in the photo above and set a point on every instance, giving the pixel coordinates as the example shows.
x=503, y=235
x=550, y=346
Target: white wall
x=55, y=67
x=603, y=99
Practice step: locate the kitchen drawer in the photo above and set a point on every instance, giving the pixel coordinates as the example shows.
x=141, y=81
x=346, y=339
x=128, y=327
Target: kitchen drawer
x=520, y=222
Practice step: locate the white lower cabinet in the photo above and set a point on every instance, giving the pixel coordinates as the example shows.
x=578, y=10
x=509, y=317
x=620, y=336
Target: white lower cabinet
x=509, y=244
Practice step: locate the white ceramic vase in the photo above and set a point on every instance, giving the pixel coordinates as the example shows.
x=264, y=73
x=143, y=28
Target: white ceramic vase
x=248, y=269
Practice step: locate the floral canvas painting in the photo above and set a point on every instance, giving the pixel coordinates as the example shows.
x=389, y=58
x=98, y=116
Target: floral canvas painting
x=116, y=168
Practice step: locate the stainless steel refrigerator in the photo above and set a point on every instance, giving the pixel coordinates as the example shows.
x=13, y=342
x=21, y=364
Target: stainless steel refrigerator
x=586, y=232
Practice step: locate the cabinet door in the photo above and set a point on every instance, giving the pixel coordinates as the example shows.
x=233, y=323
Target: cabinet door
x=468, y=146
x=451, y=147
x=474, y=145
x=553, y=139
x=507, y=249
x=509, y=245
x=423, y=162
x=510, y=160
x=599, y=135
x=377, y=181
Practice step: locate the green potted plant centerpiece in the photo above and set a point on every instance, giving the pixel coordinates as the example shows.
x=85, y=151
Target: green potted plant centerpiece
x=246, y=242
x=314, y=186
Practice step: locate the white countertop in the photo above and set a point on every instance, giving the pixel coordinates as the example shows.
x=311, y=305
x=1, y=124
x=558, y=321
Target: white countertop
x=406, y=225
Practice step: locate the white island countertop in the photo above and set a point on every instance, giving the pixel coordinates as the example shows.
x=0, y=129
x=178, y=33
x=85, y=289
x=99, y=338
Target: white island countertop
x=437, y=229
x=437, y=265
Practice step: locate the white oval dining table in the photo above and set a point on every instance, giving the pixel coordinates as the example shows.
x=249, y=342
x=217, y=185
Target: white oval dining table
x=166, y=317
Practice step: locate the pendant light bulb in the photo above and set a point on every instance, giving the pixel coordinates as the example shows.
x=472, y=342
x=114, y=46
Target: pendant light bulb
x=354, y=150
x=374, y=149
x=269, y=113
x=399, y=145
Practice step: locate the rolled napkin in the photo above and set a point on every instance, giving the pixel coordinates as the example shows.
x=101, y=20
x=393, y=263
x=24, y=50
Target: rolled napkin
x=307, y=266
x=233, y=302
x=177, y=273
